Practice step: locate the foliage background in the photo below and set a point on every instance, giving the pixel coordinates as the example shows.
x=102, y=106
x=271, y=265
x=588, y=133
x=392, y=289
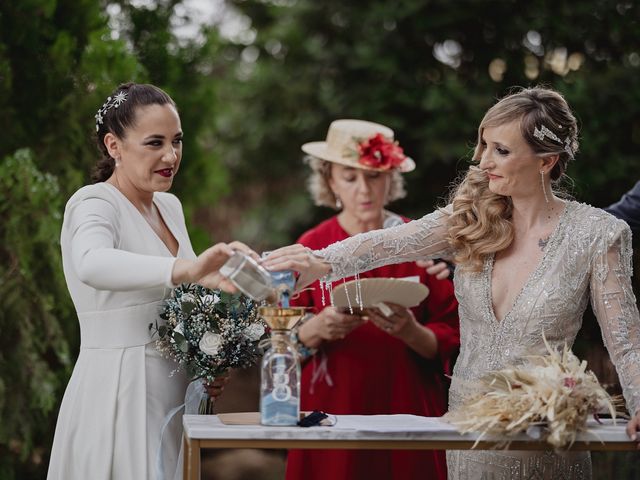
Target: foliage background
x=248, y=100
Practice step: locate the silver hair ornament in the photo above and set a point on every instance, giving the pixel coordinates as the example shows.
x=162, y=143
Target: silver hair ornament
x=114, y=102
x=545, y=132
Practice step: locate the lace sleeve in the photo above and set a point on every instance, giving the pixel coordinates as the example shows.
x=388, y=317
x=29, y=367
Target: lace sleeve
x=616, y=309
x=420, y=239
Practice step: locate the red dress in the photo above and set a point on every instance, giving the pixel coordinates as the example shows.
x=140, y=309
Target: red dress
x=375, y=373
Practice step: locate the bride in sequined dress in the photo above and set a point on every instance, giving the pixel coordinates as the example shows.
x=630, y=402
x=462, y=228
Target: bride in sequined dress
x=528, y=263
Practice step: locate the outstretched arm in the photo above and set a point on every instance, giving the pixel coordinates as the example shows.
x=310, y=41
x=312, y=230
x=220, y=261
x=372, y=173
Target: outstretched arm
x=91, y=226
x=420, y=239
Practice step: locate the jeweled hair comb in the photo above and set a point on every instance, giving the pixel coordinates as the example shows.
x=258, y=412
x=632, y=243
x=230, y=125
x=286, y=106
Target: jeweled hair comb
x=543, y=131
x=117, y=100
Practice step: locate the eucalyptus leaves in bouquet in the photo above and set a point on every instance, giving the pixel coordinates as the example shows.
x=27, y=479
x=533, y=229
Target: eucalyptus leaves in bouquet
x=208, y=332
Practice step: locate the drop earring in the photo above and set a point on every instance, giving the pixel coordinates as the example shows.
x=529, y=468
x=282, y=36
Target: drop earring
x=544, y=190
x=338, y=203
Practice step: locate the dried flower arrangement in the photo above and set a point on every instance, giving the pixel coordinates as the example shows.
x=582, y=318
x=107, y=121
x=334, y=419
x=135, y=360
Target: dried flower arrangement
x=551, y=396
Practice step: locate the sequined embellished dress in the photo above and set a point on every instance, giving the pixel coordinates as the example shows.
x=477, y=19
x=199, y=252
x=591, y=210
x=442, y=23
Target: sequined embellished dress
x=587, y=258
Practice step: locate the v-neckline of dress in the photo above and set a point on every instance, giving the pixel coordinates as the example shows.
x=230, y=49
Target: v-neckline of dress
x=534, y=273
x=162, y=215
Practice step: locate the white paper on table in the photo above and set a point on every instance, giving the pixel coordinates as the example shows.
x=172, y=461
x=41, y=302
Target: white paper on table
x=392, y=423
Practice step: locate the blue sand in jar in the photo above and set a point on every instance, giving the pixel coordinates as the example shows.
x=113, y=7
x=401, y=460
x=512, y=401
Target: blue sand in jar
x=284, y=300
x=280, y=404
x=276, y=412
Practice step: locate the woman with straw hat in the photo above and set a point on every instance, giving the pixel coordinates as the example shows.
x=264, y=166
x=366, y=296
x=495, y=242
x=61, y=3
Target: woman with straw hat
x=369, y=363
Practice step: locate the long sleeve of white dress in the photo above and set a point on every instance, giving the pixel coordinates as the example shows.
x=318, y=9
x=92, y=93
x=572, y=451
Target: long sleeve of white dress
x=420, y=239
x=615, y=307
x=93, y=226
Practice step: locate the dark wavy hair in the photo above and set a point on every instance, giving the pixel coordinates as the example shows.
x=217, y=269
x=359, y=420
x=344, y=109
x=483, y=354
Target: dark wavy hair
x=118, y=120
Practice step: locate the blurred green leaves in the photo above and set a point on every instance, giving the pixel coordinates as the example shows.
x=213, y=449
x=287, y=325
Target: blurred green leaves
x=429, y=69
x=35, y=357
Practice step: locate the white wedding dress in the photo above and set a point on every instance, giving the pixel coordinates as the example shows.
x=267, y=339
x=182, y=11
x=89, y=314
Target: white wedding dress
x=118, y=271
x=588, y=257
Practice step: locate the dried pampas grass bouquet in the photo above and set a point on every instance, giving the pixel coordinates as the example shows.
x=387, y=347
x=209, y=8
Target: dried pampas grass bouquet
x=551, y=396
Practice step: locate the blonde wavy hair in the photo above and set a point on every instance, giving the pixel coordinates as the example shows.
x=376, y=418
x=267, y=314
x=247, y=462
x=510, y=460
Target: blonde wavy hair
x=480, y=223
x=322, y=194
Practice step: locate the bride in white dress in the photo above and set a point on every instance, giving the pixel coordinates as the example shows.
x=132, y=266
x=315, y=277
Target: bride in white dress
x=529, y=262
x=124, y=247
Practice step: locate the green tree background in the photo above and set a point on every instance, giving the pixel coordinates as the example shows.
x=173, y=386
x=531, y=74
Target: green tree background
x=248, y=100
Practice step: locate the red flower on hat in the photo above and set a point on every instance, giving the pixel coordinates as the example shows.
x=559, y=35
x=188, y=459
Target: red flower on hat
x=380, y=152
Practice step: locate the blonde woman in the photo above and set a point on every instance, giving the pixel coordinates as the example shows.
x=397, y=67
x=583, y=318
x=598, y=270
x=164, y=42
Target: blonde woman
x=528, y=263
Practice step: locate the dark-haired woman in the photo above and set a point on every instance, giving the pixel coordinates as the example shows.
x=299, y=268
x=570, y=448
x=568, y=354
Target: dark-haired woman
x=124, y=246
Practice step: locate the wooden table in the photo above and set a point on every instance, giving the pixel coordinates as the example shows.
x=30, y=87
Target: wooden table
x=375, y=432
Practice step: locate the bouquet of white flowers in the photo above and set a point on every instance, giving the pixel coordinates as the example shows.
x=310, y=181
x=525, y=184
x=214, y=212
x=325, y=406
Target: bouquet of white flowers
x=549, y=397
x=209, y=332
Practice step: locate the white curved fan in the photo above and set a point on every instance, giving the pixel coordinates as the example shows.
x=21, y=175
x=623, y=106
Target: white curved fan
x=407, y=293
